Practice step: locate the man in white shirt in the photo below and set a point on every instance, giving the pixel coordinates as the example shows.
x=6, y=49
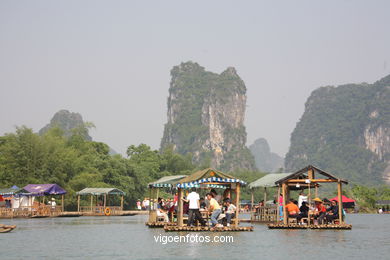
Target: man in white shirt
x=302, y=198
x=193, y=209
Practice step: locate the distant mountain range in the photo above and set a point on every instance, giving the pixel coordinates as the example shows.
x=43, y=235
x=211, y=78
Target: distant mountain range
x=266, y=161
x=345, y=130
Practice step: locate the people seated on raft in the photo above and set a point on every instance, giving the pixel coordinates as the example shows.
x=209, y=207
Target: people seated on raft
x=202, y=204
x=230, y=211
x=320, y=211
x=160, y=211
x=214, y=209
x=333, y=212
x=292, y=209
x=304, y=210
x=217, y=197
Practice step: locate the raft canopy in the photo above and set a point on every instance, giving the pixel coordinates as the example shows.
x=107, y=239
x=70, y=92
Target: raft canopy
x=14, y=192
x=166, y=181
x=268, y=180
x=101, y=191
x=302, y=176
x=208, y=177
x=44, y=189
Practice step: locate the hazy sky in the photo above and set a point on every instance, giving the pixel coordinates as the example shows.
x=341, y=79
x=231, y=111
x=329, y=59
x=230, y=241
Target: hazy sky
x=111, y=60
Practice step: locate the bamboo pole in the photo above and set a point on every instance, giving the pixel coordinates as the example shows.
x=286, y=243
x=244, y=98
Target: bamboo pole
x=180, y=208
x=91, y=203
x=251, y=204
x=122, y=203
x=265, y=195
x=339, y=193
x=310, y=174
x=62, y=202
x=316, y=190
x=104, y=204
x=237, y=203
x=78, y=203
x=284, y=203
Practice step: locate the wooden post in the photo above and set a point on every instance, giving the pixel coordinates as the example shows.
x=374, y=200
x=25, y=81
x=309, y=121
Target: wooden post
x=122, y=203
x=91, y=203
x=284, y=203
x=316, y=190
x=78, y=203
x=278, y=206
x=265, y=195
x=105, y=198
x=180, y=208
x=62, y=202
x=237, y=203
x=310, y=174
x=152, y=213
x=251, y=204
x=339, y=193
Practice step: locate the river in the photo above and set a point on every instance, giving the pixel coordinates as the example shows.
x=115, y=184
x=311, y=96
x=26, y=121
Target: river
x=129, y=238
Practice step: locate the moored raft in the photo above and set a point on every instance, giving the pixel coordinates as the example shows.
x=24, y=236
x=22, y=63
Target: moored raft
x=6, y=228
x=326, y=226
x=211, y=229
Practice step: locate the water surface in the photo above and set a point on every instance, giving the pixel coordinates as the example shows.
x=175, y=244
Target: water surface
x=129, y=238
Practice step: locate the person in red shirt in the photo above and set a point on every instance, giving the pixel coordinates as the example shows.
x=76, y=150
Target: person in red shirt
x=320, y=210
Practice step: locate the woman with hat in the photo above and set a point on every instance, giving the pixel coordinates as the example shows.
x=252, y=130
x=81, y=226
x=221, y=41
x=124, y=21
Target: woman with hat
x=320, y=210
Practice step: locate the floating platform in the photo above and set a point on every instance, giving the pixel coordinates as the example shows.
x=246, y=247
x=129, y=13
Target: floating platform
x=295, y=226
x=68, y=214
x=211, y=229
x=159, y=224
x=6, y=228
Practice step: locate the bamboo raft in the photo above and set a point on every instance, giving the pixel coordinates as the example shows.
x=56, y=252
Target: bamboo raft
x=159, y=224
x=326, y=226
x=212, y=229
x=6, y=228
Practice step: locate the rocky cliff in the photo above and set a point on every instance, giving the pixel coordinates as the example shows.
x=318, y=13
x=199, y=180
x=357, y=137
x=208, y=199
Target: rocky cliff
x=346, y=130
x=266, y=161
x=206, y=117
x=67, y=121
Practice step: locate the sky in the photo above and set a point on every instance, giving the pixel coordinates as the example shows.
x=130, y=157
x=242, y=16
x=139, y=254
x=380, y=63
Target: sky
x=110, y=61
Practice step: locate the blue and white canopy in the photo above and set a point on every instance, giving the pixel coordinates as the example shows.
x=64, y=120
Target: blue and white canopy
x=208, y=177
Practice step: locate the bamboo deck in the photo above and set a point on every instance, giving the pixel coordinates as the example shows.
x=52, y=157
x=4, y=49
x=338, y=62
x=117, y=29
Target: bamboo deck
x=212, y=229
x=295, y=226
x=159, y=224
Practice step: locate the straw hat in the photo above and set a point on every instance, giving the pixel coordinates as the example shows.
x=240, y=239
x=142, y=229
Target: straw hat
x=53, y=199
x=317, y=199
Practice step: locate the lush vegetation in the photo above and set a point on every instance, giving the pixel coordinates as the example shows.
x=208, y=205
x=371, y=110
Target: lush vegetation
x=75, y=163
x=330, y=133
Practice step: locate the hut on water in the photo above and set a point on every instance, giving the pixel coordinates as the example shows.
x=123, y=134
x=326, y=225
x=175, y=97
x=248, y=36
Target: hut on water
x=265, y=212
x=15, y=202
x=166, y=182
x=49, y=192
x=100, y=201
x=309, y=178
x=207, y=179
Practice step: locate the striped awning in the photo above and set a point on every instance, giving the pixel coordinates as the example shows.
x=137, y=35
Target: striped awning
x=166, y=181
x=220, y=181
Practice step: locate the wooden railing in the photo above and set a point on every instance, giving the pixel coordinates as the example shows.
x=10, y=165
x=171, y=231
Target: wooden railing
x=99, y=210
x=31, y=211
x=267, y=213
